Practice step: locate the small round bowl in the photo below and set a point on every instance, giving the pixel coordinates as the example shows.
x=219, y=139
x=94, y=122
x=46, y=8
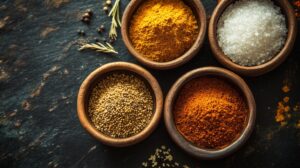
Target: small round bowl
x=200, y=14
x=92, y=79
x=187, y=146
x=286, y=9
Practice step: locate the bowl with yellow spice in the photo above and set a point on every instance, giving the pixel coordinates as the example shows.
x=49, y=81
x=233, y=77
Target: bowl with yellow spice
x=210, y=112
x=164, y=34
x=120, y=104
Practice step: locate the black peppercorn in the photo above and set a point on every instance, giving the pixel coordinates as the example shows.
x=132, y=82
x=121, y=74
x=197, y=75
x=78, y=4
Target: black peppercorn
x=86, y=20
x=99, y=30
x=86, y=15
x=90, y=12
x=96, y=39
x=108, y=2
x=81, y=32
x=111, y=41
x=102, y=27
x=105, y=8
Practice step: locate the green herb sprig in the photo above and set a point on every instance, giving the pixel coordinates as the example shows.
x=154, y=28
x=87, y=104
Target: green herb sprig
x=116, y=22
x=99, y=47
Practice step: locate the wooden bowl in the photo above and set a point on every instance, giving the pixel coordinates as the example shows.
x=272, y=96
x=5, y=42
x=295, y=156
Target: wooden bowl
x=286, y=9
x=188, y=146
x=200, y=14
x=92, y=79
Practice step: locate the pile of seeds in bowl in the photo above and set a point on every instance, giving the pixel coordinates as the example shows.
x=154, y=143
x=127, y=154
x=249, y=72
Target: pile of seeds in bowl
x=120, y=105
x=252, y=32
x=163, y=30
x=210, y=112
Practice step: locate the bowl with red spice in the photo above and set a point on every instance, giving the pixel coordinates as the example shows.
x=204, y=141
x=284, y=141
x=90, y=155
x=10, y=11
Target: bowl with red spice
x=210, y=112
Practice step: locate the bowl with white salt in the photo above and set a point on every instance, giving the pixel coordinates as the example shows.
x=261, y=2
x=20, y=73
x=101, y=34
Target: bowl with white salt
x=252, y=37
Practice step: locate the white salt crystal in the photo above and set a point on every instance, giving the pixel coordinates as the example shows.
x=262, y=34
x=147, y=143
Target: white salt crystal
x=252, y=32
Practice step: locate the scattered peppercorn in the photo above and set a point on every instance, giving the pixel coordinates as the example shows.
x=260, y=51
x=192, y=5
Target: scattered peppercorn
x=108, y=2
x=86, y=15
x=96, y=40
x=81, y=32
x=105, y=8
x=90, y=12
x=86, y=20
x=18, y=124
x=101, y=29
x=111, y=41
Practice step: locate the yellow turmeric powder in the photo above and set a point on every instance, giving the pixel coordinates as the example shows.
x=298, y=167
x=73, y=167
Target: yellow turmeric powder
x=163, y=30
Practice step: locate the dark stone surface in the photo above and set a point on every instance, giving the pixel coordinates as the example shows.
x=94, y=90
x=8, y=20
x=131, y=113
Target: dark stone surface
x=41, y=71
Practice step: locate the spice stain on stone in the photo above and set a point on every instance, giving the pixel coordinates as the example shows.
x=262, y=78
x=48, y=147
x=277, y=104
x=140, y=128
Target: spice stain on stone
x=46, y=75
x=4, y=21
x=26, y=105
x=46, y=31
x=20, y=6
x=93, y=148
x=3, y=75
x=25, y=150
x=55, y=3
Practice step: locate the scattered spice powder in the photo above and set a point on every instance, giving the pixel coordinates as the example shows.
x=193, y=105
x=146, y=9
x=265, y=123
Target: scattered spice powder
x=285, y=89
x=298, y=125
x=296, y=4
x=296, y=107
x=121, y=105
x=210, y=113
x=284, y=108
x=163, y=30
x=282, y=112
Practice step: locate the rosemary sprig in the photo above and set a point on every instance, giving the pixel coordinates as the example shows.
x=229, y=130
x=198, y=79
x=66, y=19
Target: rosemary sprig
x=115, y=22
x=99, y=47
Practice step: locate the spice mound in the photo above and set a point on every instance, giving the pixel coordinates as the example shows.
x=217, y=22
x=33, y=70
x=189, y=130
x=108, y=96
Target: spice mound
x=210, y=113
x=120, y=105
x=252, y=32
x=163, y=30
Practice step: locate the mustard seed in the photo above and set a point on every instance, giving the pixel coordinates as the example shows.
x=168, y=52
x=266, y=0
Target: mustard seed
x=121, y=105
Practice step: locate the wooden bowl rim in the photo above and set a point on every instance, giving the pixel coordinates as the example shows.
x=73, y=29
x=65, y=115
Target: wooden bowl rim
x=188, y=146
x=82, y=99
x=287, y=10
x=201, y=18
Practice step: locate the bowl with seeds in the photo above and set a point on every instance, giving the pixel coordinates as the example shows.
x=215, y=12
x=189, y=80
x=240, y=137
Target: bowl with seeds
x=252, y=37
x=120, y=104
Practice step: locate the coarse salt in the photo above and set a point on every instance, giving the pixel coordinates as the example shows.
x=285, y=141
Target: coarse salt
x=252, y=32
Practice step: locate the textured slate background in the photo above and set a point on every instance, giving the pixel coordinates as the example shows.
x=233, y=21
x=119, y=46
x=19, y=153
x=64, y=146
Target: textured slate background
x=40, y=74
